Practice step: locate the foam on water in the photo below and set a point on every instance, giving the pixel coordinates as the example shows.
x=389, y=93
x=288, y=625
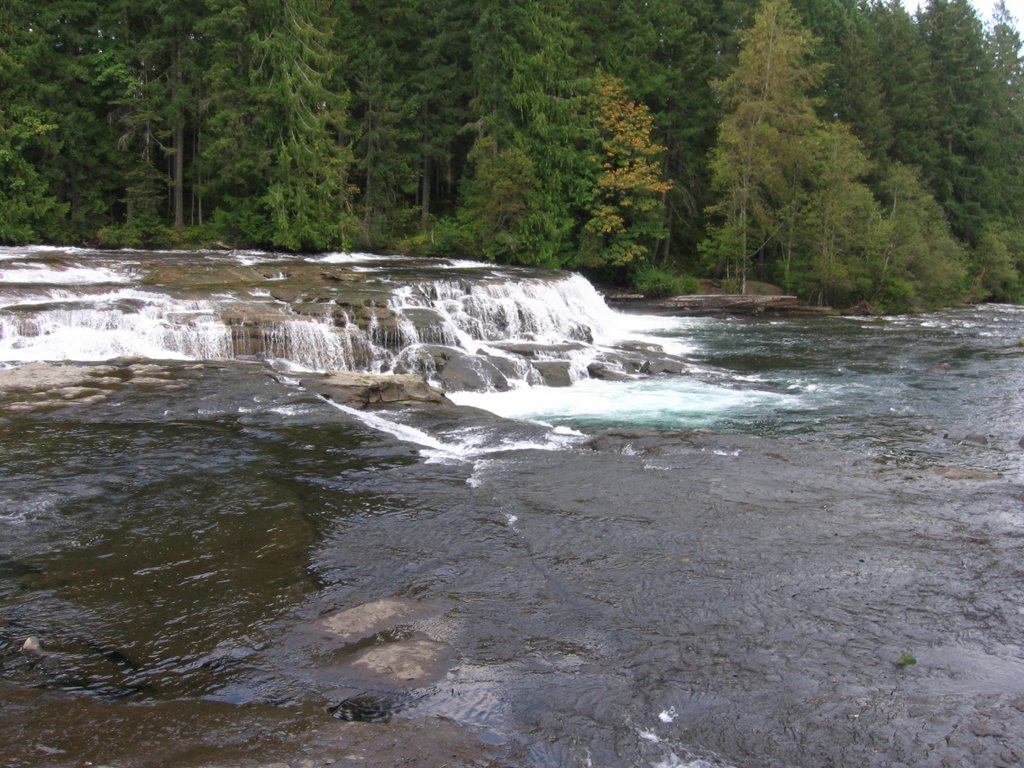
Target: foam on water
x=84, y=327
x=44, y=274
x=673, y=334
x=666, y=402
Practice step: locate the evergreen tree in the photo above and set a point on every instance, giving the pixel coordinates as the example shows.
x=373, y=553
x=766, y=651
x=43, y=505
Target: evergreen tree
x=527, y=96
x=274, y=163
x=26, y=200
x=902, y=68
x=963, y=83
x=762, y=146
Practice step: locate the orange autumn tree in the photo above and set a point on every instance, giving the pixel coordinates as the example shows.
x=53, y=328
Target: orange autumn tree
x=626, y=214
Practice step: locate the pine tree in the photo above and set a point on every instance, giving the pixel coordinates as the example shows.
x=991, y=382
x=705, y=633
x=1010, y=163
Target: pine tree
x=527, y=98
x=26, y=200
x=963, y=84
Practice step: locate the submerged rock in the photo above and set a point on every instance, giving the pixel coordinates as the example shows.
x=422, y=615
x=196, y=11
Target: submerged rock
x=406, y=662
x=373, y=707
x=370, y=618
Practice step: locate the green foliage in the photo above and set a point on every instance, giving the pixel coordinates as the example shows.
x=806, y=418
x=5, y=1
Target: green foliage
x=905, y=660
x=848, y=150
x=762, y=148
x=503, y=210
x=999, y=261
x=657, y=282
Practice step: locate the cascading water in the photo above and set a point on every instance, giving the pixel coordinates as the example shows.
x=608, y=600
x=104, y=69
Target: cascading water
x=297, y=313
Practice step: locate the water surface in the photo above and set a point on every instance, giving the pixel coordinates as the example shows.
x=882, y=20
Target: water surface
x=592, y=584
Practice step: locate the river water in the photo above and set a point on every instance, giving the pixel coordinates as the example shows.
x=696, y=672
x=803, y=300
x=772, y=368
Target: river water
x=805, y=551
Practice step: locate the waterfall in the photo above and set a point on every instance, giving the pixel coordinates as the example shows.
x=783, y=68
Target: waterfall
x=468, y=326
x=63, y=325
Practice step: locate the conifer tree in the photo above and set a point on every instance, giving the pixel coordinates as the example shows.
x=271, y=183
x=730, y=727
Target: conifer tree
x=274, y=162
x=762, y=145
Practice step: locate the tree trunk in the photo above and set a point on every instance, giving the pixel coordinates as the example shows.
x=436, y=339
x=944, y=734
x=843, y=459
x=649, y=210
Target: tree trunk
x=179, y=174
x=428, y=169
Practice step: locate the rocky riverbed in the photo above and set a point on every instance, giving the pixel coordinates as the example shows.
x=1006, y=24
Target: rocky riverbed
x=224, y=569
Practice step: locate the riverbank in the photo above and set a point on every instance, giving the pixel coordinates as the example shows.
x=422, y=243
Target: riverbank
x=716, y=304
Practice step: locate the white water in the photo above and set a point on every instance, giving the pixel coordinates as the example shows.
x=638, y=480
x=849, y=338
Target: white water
x=76, y=305
x=69, y=326
x=681, y=402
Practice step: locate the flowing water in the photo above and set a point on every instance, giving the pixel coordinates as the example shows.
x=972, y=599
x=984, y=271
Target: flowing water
x=731, y=566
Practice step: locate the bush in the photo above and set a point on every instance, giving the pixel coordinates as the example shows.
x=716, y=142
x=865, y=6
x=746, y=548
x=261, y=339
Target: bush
x=657, y=282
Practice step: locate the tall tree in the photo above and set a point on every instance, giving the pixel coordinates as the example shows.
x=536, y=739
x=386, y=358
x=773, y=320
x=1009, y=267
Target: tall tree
x=963, y=83
x=626, y=219
x=275, y=164
x=762, y=150
x=26, y=200
x=527, y=96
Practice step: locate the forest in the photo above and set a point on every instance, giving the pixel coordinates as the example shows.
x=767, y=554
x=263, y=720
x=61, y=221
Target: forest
x=844, y=150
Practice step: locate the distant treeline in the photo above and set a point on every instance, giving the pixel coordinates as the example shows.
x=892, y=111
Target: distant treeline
x=844, y=149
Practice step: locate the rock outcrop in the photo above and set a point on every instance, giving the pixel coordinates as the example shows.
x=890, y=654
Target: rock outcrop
x=366, y=390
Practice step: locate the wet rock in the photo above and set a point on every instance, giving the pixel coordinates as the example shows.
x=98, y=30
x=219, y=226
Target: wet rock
x=363, y=390
x=531, y=349
x=555, y=373
x=370, y=618
x=985, y=729
x=975, y=438
x=607, y=372
x=666, y=364
x=43, y=376
x=957, y=473
x=32, y=646
x=472, y=372
x=511, y=368
x=374, y=707
x=409, y=661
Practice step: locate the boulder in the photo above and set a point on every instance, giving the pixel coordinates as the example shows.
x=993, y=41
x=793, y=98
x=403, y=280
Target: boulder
x=665, y=364
x=363, y=390
x=511, y=367
x=555, y=373
x=471, y=372
x=607, y=372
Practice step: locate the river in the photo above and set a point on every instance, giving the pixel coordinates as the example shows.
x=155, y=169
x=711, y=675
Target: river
x=803, y=550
